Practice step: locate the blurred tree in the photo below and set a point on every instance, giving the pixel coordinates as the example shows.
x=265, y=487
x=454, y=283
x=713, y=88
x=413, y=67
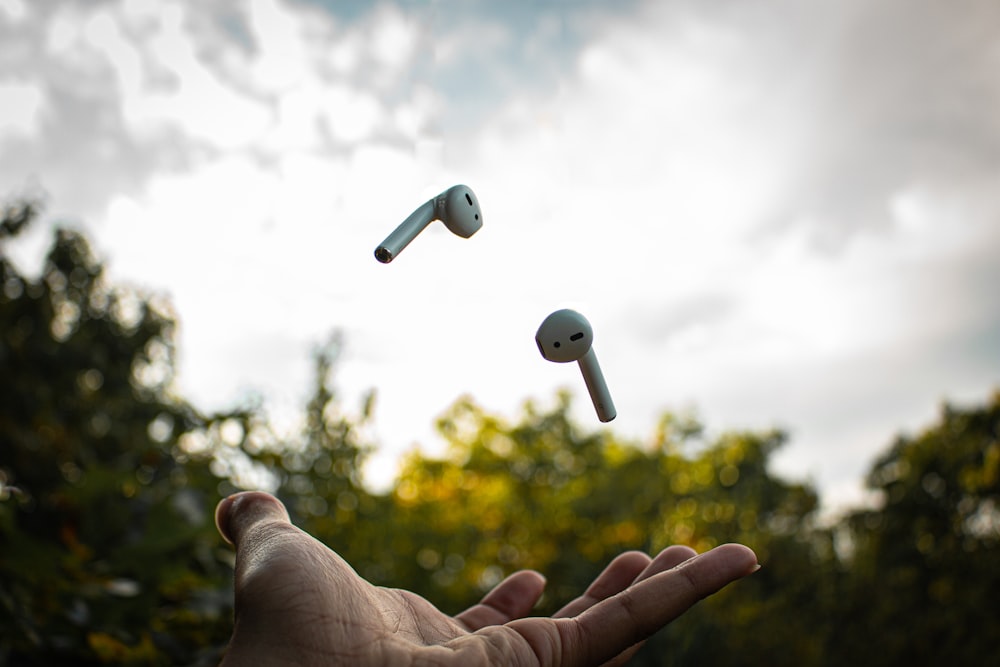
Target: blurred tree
x=725, y=493
x=109, y=551
x=320, y=472
x=543, y=494
x=924, y=582
x=502, y=500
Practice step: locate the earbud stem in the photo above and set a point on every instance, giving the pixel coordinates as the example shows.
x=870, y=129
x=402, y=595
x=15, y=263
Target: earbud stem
x=406, y=232
x=598, y=388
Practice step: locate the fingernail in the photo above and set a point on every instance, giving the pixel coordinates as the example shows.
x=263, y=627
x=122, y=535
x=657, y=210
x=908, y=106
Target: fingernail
x=222, y=517
x=755, y=568
x=233, y=515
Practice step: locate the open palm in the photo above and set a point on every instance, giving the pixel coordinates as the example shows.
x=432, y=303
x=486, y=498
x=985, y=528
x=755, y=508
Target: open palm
x=299, y=603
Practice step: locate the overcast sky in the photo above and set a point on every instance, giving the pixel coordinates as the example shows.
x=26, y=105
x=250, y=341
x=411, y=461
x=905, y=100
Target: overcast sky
x=777, y=213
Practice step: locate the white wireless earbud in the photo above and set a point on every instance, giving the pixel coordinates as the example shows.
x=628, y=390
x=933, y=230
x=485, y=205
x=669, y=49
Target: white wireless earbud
x=457, y=207
x=565, y=336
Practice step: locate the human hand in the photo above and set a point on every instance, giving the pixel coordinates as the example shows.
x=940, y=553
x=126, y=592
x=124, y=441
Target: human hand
x=299, y=603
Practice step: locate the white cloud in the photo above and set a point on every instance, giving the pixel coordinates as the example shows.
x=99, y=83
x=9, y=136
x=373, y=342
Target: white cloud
x=656, y=176
x=14, y=11
x=474, y=37
x=200, y=103
x=394, y=38
x=352, y=115
x=22, y=104
x=101, y=32
x=280, y=59
x=752, y=204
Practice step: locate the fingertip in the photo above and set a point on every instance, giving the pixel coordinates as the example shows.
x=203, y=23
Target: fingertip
x=235, y=513
x=530, y=574
x=678, y=553
x=539, y=578
x=632, y=559
x=739, y=557
x=222, y=517
x=526, y=582
x=512, y=598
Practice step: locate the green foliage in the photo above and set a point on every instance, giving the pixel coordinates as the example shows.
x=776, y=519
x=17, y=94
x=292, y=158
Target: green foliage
x=109, y=551
x=319, y=473
x=542, y=494
x=924, y=576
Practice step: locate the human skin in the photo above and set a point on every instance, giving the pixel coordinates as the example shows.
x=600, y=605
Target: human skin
x=299, y=603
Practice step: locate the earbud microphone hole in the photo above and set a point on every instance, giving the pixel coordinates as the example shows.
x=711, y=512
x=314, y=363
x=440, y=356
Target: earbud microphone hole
x=571, y=326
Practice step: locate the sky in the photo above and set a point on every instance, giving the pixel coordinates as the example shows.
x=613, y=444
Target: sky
x=773, y=213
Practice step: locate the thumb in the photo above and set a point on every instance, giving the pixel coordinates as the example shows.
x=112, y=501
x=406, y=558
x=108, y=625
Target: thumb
x=237, y=514
x=268, y=579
